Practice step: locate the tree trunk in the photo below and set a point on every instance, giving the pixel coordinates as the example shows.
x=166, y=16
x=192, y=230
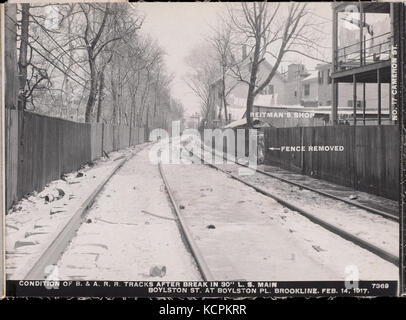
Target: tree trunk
x=113, y=96
x=93, y=90
x=253, y=80
x=22, y=60
x=99, y=103
x=224, y=96
x=250, y=103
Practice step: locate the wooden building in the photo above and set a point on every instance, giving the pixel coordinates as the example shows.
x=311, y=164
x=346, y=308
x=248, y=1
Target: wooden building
x=363, y=38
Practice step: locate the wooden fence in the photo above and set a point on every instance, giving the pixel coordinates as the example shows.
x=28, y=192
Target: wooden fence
x=369, y=161
x=40, y=149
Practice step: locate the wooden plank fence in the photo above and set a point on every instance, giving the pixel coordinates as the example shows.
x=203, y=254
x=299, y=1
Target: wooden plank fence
x=369, y=162
x=40, y=149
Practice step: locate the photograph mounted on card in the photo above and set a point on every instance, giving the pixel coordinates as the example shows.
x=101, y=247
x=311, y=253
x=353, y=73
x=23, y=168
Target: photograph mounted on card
x=203, y=149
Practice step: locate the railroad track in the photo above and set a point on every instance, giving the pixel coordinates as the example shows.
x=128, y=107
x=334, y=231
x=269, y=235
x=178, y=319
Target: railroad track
x=382, y=253
x=194, y=249
x=384, y=214
x=52, y=253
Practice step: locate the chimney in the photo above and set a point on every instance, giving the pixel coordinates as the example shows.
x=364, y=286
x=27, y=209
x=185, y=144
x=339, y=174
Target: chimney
x=292, y=71
x=295, y=71
x=244, y=51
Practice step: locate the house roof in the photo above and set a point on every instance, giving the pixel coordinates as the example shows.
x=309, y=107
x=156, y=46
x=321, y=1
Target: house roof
x=270, y=66
x=265, y=62
x=312, y=76
x=243, y=122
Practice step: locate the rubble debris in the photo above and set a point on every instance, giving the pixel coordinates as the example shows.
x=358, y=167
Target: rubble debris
x=353, y=196
x=157, y=271
x=89, y=220
x=55, y=194
x=19, y=244
x=79, y=174
x=56, y=210
x=181, y=206
x=211, y=226
x=16, y=208
x=39, y=226
x=90, y=164
x=12, y=227
x=318, y=248
x=29, y=234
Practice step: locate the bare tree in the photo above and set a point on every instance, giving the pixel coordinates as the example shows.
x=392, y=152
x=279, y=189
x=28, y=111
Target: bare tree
x=268, y=28
x=203, y=73
x=222, y=43
x=23, y=54
x=98, y=34
x=72, y=52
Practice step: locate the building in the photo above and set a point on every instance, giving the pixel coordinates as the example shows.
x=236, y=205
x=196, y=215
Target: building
x=362, y=40
x=355, y=87
x=284, y=89
x=310, y=90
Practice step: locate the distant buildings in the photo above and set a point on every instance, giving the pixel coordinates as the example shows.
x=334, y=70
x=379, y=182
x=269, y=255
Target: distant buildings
x=359, y=78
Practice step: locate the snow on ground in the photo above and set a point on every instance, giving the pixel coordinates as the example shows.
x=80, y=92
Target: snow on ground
x=131, y=229
x=371, y=227
x=363, y=198
x=32, y=223
x=245, y=235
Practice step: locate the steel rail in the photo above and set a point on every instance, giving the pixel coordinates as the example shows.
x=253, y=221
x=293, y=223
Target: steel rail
x=382, y=253
x=201, y=263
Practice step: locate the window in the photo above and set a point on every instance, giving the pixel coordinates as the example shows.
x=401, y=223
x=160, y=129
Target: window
x=307, y=89
x=350, y=104
x=295, y=93
x=328, y=76
x=321, y=77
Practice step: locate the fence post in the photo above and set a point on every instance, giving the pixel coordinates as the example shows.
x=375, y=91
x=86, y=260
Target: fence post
x=354, y=158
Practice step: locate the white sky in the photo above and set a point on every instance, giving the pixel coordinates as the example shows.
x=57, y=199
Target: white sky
x=179, y=27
